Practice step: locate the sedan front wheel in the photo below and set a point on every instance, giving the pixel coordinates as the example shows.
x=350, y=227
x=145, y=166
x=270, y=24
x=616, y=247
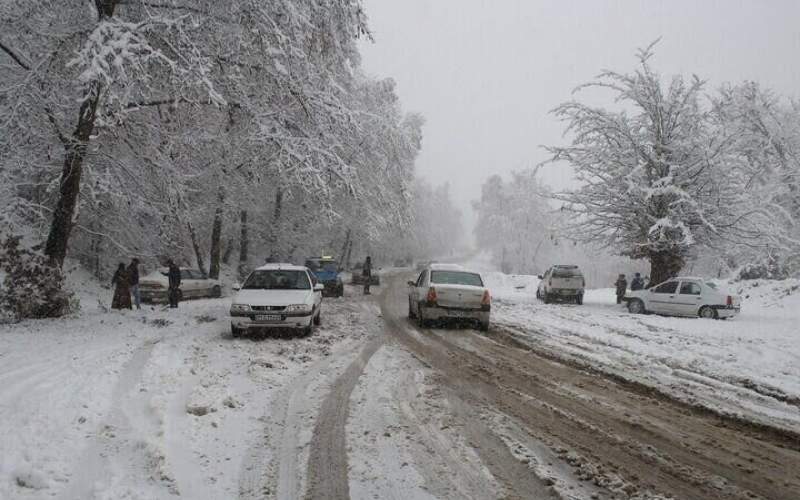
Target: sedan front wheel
x=636, y=306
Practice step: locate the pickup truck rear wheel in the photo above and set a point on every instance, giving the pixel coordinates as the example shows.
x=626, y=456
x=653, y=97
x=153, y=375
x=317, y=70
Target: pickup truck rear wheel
x=708, y=313
x=636, y=306
x=579, y=299
x=547, y=298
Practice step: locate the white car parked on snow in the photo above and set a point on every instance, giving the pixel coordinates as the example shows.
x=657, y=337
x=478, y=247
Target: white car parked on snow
x=449, y=292
x=685, y=297
x=154, y=287
x=277, y=296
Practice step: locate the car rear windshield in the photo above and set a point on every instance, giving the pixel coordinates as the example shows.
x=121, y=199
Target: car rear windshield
x=569, y=272
x=456, y=278
x=277, y=280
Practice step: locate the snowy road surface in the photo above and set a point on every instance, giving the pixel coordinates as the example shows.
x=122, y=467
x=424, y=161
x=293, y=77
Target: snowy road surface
x=165, y=404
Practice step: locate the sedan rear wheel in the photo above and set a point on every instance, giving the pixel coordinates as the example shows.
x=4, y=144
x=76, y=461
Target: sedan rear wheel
x=216, y=292
x=708, y=313
x=421, y=321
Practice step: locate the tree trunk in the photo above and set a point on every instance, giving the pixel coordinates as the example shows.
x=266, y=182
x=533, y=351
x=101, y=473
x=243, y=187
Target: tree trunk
x=197, y=254
x=70, y=184
x=243, y=245
x=344, y=247
x=273, y=229
x=74, y=154
x=226, y=255
x=665, y=265
x=216, y=237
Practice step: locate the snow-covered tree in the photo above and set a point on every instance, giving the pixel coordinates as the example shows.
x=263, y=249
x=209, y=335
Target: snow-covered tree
x=658, y=178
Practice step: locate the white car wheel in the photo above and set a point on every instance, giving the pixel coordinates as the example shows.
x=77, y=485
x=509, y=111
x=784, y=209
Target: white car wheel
x=636, y=306
x=708, y=313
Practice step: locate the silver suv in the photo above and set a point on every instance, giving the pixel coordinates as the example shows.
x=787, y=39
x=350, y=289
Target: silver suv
x=563, y=283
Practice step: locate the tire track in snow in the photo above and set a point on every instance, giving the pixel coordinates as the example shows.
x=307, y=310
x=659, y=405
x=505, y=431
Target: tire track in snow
x=95, y=462
x=327, y=463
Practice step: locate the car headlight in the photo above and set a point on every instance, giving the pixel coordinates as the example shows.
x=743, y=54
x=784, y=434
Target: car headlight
x=298, y=308
x=240, y=308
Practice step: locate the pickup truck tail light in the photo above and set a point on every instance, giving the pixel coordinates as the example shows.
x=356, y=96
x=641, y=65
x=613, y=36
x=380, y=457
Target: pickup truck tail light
x=486, y=301
x=550, y=282
x=729, y=302
x=431, y=297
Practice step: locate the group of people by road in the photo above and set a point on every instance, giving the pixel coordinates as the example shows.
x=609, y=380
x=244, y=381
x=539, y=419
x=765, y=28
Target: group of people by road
x=126, y=285
x=638, y=283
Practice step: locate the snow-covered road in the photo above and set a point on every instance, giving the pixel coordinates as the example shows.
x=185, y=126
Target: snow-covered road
x=554, y=402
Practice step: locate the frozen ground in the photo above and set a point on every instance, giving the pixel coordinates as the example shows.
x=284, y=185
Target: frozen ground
x=748, y=366
x=156, y=403
x=164, y=404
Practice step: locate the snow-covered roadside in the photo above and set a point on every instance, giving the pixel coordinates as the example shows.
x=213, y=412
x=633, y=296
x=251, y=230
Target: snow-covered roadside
x=146, y=404
x=748, y=366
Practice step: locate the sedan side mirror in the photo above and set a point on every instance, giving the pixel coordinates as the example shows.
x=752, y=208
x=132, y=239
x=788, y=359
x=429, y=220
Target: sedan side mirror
x=319, y=287
x=411, y=283
x=236, y=287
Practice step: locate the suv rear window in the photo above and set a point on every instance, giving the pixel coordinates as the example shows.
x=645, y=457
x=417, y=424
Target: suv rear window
x=456, y=278
x=568, y=272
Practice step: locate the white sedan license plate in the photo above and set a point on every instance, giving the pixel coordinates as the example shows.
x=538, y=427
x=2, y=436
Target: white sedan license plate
x=268, y=317
x=458, y=314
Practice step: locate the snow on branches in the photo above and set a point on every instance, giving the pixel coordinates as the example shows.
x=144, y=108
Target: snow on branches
x=661, y=177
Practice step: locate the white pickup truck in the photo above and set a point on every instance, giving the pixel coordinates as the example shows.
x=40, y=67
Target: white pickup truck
x=685, y=296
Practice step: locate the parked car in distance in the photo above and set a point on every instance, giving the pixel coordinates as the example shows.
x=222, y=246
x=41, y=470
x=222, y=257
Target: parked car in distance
x=154, y=287
x=561, y=283
x=326, y=271
x=685, y=296
x=277, y=296
x=449, y=292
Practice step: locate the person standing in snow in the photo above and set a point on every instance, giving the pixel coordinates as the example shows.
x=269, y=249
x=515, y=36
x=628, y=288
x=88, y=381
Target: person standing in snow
x=174, y=276
x=637, y=283
x=366, y=272
x=133, y=274
x=622, y=287
x=122, y=288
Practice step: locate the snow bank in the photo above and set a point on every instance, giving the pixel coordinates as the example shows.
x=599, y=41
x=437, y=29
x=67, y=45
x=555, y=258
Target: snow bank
x=748, y=366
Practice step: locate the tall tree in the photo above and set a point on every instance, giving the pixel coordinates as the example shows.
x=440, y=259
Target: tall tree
x=656, y=177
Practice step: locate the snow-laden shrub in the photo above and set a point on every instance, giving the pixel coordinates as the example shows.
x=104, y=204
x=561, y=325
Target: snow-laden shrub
x=770, y=267
x=32, y=288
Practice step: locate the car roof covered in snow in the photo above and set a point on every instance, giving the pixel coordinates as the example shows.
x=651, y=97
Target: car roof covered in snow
x=281, y=266
x=446, y=267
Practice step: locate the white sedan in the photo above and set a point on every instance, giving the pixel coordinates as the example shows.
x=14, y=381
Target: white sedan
x=154, y=287
x=449, y=292
x=277, y=296
x=690, y=297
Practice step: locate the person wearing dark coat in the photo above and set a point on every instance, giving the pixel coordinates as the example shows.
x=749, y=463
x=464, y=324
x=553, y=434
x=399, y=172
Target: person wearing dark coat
x=366, y=272
x=637, y=283
x=133, y=274
x=622, y=287
x=122, y=288
x=174, y=276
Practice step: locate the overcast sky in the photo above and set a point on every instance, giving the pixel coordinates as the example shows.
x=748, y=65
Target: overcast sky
x=486, y=73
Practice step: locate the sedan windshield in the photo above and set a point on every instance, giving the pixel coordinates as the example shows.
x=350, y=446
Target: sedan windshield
x=277, y=280
x=456, y=278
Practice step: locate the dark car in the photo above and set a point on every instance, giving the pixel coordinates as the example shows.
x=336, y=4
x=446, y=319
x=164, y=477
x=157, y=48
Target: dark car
x=326, y=271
